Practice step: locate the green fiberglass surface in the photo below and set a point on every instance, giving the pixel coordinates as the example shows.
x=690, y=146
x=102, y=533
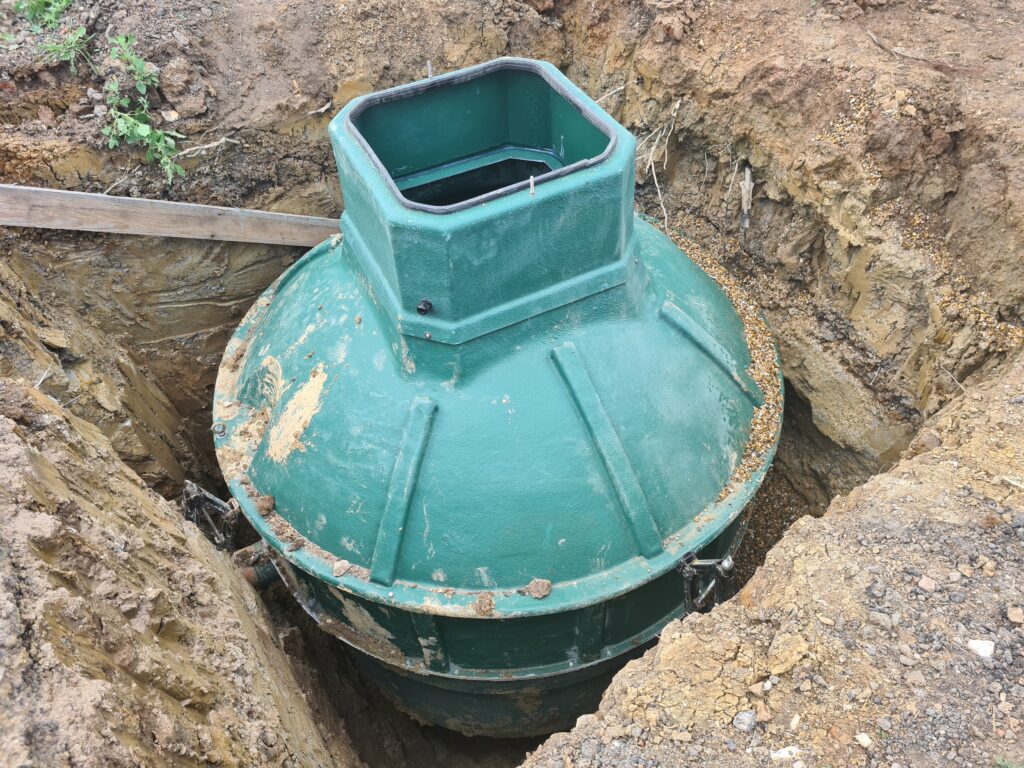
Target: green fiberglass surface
x=481, y=439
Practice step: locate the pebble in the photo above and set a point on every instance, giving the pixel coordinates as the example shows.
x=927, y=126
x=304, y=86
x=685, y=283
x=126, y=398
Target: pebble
x=745, y=721
x=786, y=753
x=884, y=723
x=1015, y=614
x=915, y=678
x=881, y=619
x=928, y=584
x=984, y=648
x=863, y=739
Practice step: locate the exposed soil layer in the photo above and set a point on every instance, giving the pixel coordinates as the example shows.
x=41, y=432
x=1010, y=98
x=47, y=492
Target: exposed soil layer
x=884, y=142
x=126, y=638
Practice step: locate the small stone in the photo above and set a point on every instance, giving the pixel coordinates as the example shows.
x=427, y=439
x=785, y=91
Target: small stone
x=786, y=753
x=794, y=722
x=881, y=619
x=983, y=648
x=884, y=723
x=909, y=110
x=915, y=678
x=864, y=740
x=80, y=108
x=965, y=569
x=805, y=686
x=93, y=94
x=763, y=712
x=745, y=721
x=927, y=584
x=1015, y=614
x=169, y=115
x=100, y=110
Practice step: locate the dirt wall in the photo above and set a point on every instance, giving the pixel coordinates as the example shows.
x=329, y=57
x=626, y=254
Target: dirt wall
x=127, y=640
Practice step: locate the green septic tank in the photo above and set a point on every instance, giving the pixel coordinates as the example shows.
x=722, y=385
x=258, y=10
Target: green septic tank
x=487, y=429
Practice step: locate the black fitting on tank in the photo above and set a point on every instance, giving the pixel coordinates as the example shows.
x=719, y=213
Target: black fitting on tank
x=424, y=306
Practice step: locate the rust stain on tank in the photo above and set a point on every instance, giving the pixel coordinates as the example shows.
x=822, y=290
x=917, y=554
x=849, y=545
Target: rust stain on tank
x=285, y=436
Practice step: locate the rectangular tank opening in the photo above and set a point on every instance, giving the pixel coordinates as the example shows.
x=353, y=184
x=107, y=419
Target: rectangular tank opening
x=475, y=181
x=450, y=141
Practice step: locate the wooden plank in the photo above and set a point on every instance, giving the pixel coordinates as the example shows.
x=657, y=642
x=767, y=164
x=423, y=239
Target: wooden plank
x=88, y=212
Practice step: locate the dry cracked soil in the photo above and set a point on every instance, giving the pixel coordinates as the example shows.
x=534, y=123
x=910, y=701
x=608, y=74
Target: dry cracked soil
x=854, y=165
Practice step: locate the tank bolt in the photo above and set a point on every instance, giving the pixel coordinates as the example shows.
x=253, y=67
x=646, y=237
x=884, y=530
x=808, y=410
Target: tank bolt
x=427, y=336
x=424, y=306
x=218, y=430
x=726, y=565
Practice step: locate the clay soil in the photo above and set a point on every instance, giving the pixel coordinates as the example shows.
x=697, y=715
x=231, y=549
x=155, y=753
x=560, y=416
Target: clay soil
x=853, y=165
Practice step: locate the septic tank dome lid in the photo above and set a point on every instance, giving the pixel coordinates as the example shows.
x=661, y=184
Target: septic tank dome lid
x=573, y=411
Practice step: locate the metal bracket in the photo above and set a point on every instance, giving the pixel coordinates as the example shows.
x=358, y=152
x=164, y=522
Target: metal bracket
x=216, y=519
x=708, y=582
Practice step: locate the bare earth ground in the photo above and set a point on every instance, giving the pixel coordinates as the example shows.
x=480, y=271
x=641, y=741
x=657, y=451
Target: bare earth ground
x=885, y=144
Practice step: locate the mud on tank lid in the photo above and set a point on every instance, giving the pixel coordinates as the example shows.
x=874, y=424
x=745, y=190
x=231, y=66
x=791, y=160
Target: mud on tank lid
x=500, y=394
